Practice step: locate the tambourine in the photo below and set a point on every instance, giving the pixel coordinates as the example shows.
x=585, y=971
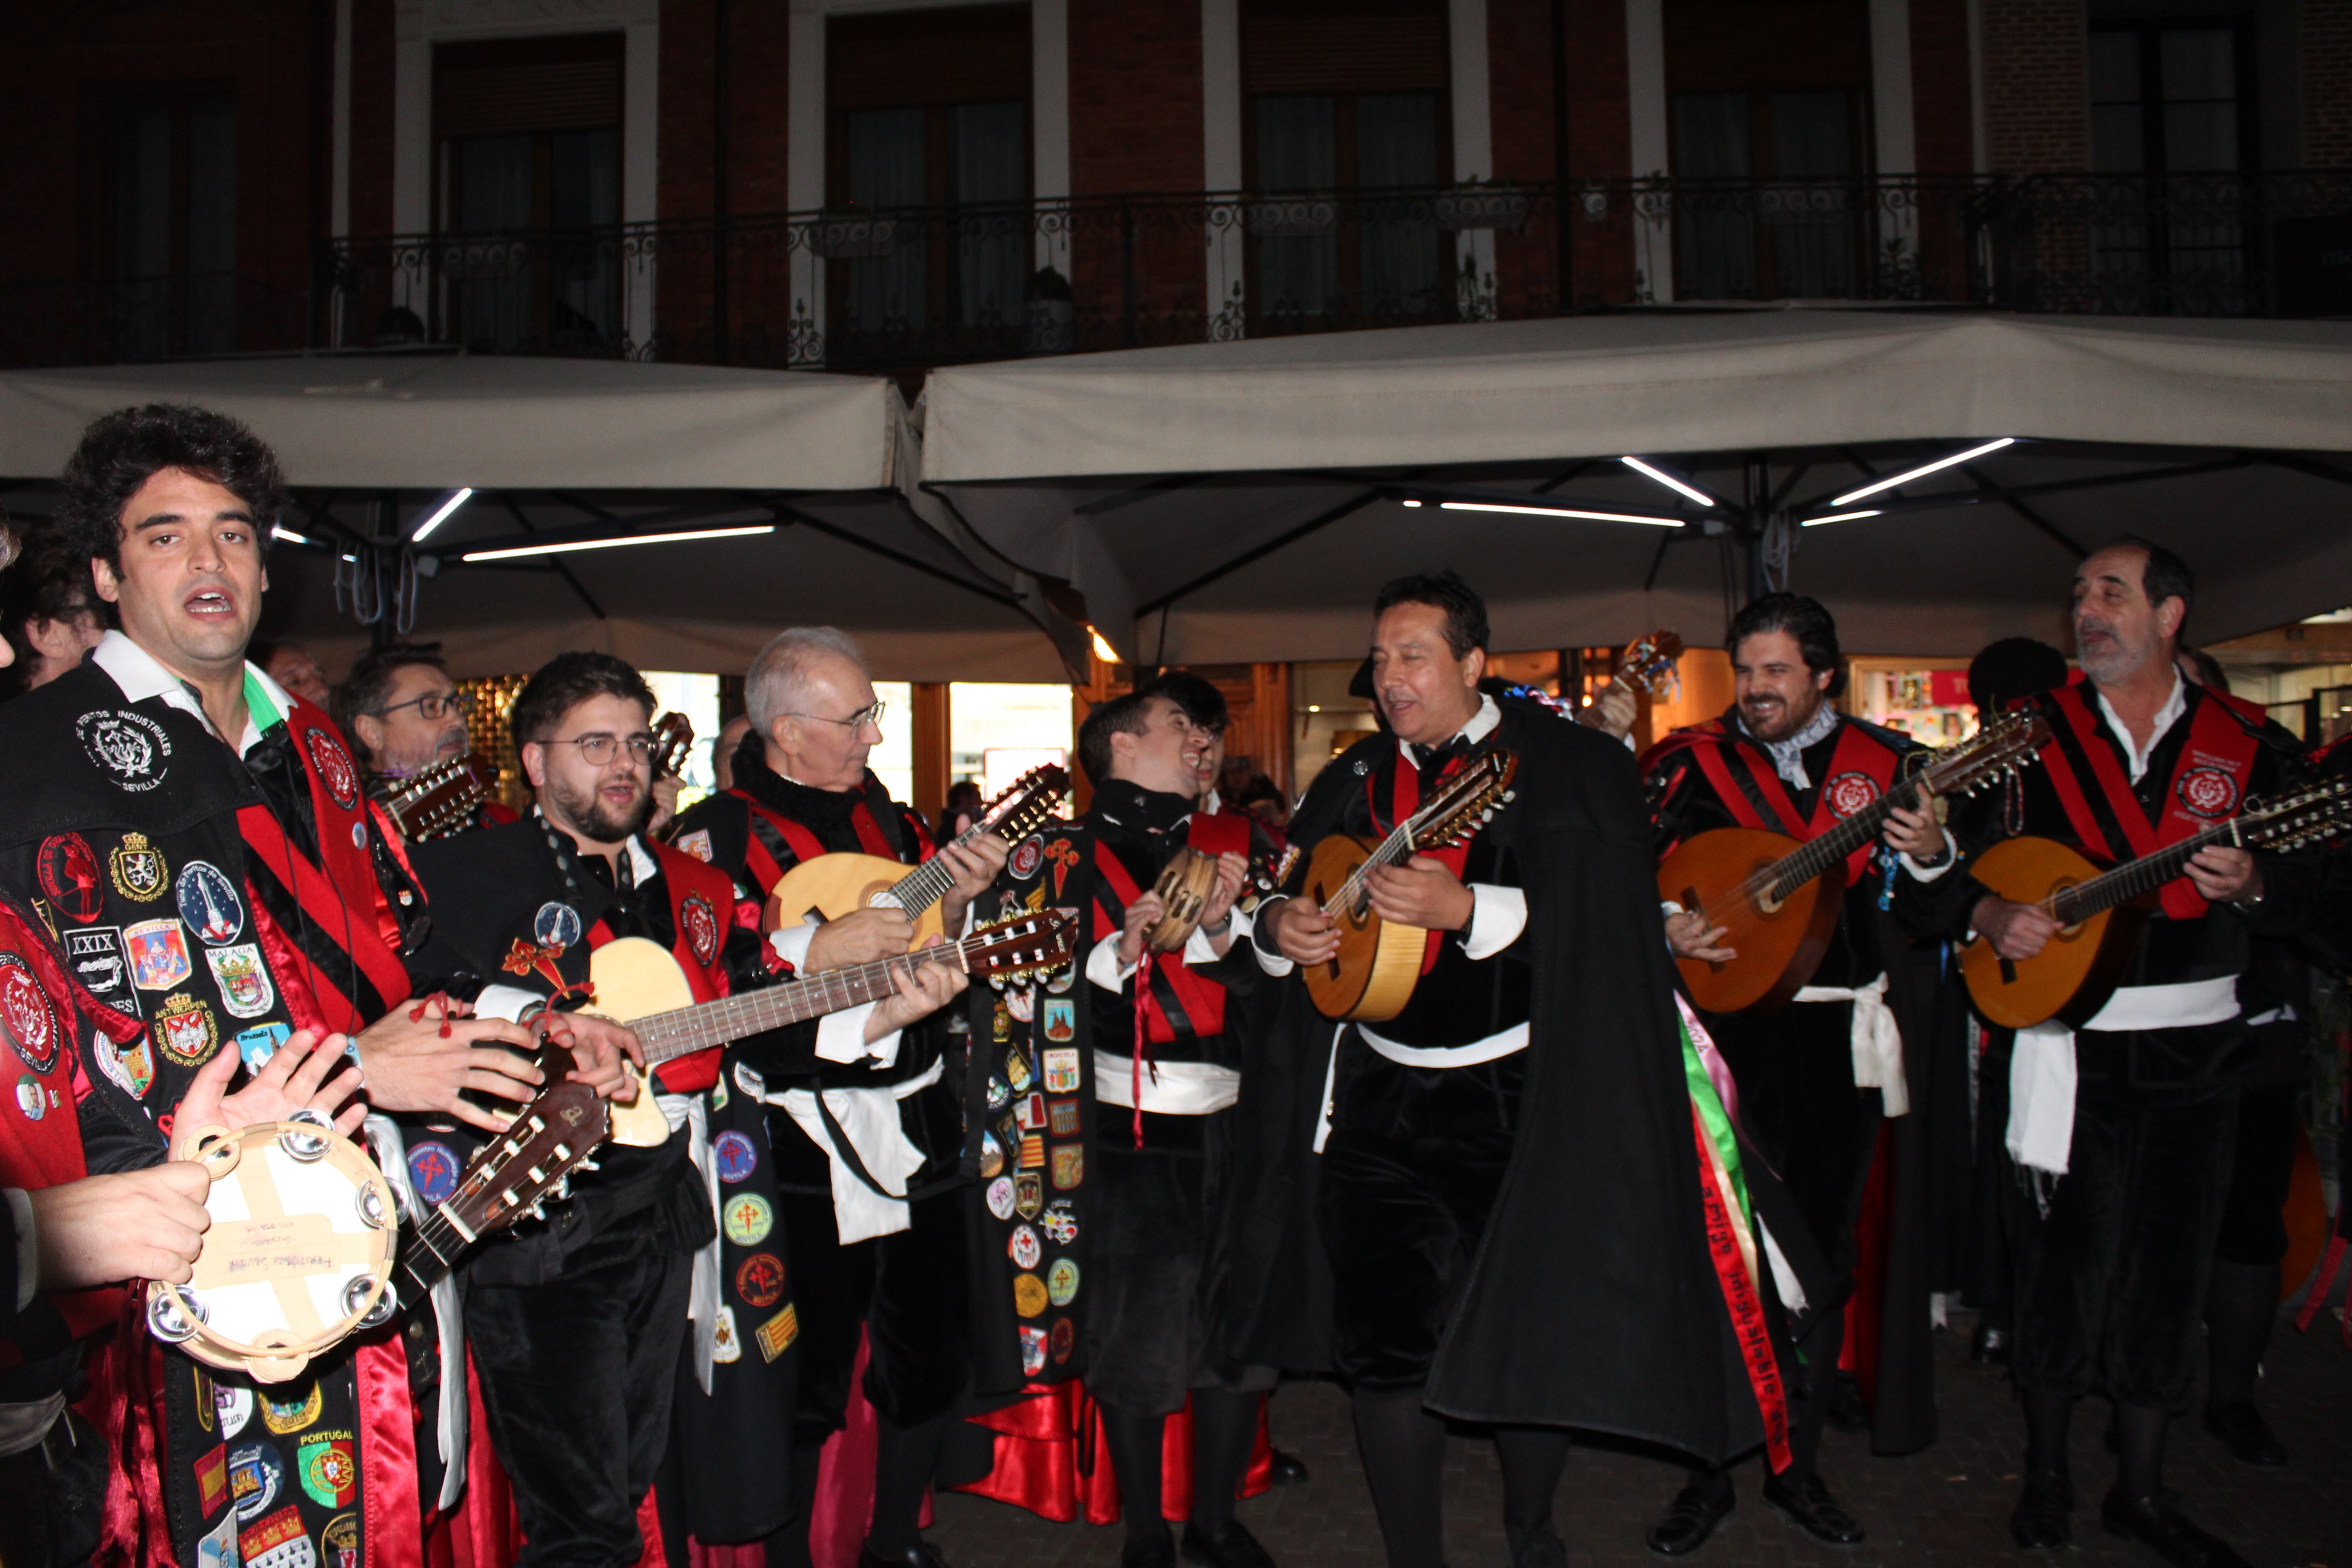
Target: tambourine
x=300, y=1253
x=1183, y=888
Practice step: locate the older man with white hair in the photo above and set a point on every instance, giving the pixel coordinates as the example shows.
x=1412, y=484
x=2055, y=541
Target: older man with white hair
x=872, y=1223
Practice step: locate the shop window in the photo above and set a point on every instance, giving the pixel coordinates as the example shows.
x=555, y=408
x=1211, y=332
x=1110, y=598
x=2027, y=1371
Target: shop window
x=174, y=225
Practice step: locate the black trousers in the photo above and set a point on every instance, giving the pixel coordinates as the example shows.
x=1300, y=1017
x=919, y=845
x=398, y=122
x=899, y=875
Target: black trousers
x=908, y=1291
x=2111, y=1281
x=577, y=1377
x=2253, y=1216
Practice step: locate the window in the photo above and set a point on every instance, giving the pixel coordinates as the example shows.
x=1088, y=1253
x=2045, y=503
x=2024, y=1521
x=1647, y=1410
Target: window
x=175, y=226
x=2170, y=102
x=1768, y=230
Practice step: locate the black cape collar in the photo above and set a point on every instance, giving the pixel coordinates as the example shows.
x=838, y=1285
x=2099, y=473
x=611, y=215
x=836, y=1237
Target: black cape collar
x=819, y=808
x=1130, y=805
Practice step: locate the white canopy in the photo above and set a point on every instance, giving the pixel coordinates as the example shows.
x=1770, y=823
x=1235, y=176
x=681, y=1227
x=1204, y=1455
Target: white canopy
x=373, y=442
x=1242, y=501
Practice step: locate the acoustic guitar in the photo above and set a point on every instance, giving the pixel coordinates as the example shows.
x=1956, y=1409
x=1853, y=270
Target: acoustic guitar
x=2100, y=911
x=840, y=884
x=1371, y=977
x=1778, y=896
x=440, y=799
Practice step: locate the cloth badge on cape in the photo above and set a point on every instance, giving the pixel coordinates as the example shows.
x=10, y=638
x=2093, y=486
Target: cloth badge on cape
x=749, y=1219
x=718, y=1094
x=68, y=874
x=278, y=1542
x=26, y=1014
x=759, y=1280
x=130, y=748
x=726, y=1348
x=1069, y=1165
x=1061, y=1118
x=1021, y=1001
x=159, y=954
x=1000, y=1093
x=1065, y=1340
x=139, y=871
x=2210, y=794
x=1026, y=858
x=31, y=1099
x=1028, y=1193
x=339, y=1541
x=1850, y=793
x=1061, y=1282
x=98, y=962
x=243, y=979
x=205, y=1412
x=255, y=1474
x=288, y=1417
x=701, y=928
x=1060, y=1223
x=232, y=1403
x=1016, y=1070
x=556, y=925
x=186, y=1030
x=999, y=1023
x=992, y=1155
x=1061, y=1071
x=1023, y=1248
x=212, y=1479
x=1031, y=1112
x=335, y=770
x=256, y=1046
x=776, y=1335
x=1065, y=856
x=735, y=1157
x=1033, y=1151
x=329, y=1471
x=1000, y=1197
x=1033, y=1345
x=359, y=835
x=1028, y=1295
x=218, y=1549
x=208, y=903
x=1059, y=982
x=1061, y=1027
x=131, y=1068
x=433, y=1170
x=697, y=844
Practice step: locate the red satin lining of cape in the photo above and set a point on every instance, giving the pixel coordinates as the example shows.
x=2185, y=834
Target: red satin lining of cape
x=1051, y=1458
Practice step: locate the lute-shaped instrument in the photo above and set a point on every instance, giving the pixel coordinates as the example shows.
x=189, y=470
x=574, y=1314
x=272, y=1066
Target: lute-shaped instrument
x=439, y=800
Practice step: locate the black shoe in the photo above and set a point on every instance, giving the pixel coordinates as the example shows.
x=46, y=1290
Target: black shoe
x=1815, y=1511
x=1148, y=1549
x=1537, y=1546
x=2156, y=1522
x=1690, y=1519
x=1287, y=1470
x=2044, y=1512
x=922, y=1554
x=1232, y=1546
x=1990, y=1346
x=2247, y=1435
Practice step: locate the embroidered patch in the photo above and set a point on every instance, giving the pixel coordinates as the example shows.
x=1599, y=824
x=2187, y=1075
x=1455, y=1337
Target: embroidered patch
x=1033, y=1151
x=243, y=979
x=433, y=1171
x=1023, y=1248
x=256, y=1046
x=1069, y=1165
x=255, y=1474
x=777, y=1334
x=339, y=1541
x=991, y=1156
x=1000, y=1093
x=1021, y=1001
x=1062, y=1119
x=1061, y=1071
x=233, y=1405
x=1060, y=1223
x=1026, y=859
x=1061, y=1027
x=98, y=961
x=760, y=1279
x=218, y=1549
x=208, y=903
x=701, y=923
x=1028, y=1193
x=1065, y=1340
x=1000, y=1197
x=329, y=1471
x=1850, y=793
x=697, y=844
x=1016, y=1070
x=749, y=1219
x=556, y=925
x=2207, y=793
x=1033, y=1348
x=131, y=1068
x=129, y=748
x=278, y=1542
x=287, y=1416
x=159, y=954
x=335, y=770
x=1058, y=984
x=26, y=1014
x=1061, y=1282
x=1028, y=1295
x=212, y=1479
x=1031, y=1112
x=718, y=1094
x=139, y=869
x=726, y=1347
x=67, y=870
x=185, y=1029
x=734, y=1157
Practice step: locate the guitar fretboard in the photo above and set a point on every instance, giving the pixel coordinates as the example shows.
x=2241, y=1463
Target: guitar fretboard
x=684, y=1030
x=2070, y=906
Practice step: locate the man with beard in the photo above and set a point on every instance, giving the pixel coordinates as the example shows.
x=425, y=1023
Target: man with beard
x=871, y=1250
x=2114, y=1223
x=577, y=1325
x=1811, y=1093
x=1525, y=1115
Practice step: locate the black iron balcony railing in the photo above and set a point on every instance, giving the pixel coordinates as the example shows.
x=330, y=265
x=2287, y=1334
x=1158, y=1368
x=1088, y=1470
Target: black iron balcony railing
x=905, y=288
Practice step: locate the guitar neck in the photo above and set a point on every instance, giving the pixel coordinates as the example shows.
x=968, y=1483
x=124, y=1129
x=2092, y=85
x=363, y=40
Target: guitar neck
x=2144, y=875
x=668, y=1036
x=1801, y=865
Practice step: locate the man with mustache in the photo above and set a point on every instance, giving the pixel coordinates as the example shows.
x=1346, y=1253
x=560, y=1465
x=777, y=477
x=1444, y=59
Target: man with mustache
x=1810, y=1097
x=2114, y=1226
x=405, y=715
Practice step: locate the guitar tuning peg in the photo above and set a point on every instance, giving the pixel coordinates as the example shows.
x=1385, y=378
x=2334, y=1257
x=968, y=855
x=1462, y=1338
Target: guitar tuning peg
x=563, y=1187
x=589, y=1165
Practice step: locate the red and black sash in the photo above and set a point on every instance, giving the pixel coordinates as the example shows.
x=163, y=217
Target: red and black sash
x=1405, y=799
x=701, y=905
x=1861, y=769
x=2208, y=782
x=1179, y=1002
x=337, y=926
x=774, y=835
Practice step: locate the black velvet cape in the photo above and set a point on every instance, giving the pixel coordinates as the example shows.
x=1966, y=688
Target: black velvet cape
x=1592, y=1302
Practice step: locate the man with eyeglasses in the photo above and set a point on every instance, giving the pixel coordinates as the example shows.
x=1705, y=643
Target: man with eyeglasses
x=405, y=715
x=860, y=1258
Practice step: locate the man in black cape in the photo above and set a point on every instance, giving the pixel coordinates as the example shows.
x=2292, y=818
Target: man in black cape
x=1539, y=1261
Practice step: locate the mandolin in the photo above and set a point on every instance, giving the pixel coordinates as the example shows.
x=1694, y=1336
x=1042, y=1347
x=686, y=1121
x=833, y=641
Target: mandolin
x=673, y=734
x=2100, y=911
x=1372, y=976
x=1778, y=897
x=441, y=799
x=839, y=884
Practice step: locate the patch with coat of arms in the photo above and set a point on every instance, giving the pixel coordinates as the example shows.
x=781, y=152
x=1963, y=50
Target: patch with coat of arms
x=129, y=748
x=139, y=869
x=185, y=1030
x=335, y=769
x=27, y=1014
x=242, y=978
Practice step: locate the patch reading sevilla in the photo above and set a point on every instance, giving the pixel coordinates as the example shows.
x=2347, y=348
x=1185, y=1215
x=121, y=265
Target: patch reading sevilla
x=759, y=1280
x=2207, y=793
x=68, y=874
x=129, y=748
x=159, y=954
x=335, y=770
x=1850, y=793
x=26, y=1014
x=701, y=923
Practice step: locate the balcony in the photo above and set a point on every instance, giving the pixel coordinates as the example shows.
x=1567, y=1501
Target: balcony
x=903, y=289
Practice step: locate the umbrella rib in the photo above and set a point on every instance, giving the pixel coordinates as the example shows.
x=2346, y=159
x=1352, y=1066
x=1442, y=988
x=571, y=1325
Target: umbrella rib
x=786, y=513
x=561, y=569
x=1322, y=520
x=2027, y=512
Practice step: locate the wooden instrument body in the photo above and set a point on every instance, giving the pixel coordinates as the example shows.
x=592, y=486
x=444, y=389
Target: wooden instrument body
x=2075, y=973
x=1184, y=885
x=1779, y=946
x=1371, y=977
x=636, y=978
x=841, y=884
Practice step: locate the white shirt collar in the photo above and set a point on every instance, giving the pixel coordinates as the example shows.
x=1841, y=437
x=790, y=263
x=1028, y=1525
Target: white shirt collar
x=1482, y=724
x=141, y=676
x=2166, y=717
